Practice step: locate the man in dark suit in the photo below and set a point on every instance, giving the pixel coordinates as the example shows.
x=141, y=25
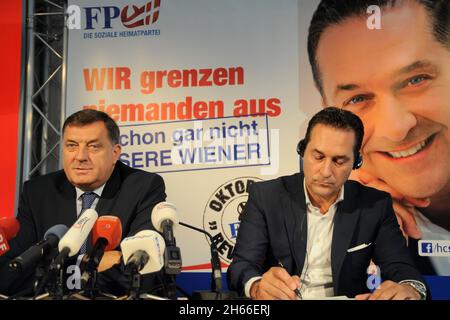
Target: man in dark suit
x=313, y=234
x=92, y=168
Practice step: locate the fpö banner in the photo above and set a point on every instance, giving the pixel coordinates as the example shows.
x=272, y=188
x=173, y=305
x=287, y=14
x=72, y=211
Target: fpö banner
x=214, y=96
x=205, y=94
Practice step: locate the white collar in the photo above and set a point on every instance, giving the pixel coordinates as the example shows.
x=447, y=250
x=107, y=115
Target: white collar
x=309, y=203
x=97, y=191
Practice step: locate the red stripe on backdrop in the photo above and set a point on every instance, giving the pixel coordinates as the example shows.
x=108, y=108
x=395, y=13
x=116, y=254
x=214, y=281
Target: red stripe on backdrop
x=203, y=266
x=11, y=31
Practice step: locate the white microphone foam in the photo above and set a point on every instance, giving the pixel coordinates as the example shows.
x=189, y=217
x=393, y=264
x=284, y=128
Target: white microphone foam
x=149, y=241
x=78, y=233
x=164, y=211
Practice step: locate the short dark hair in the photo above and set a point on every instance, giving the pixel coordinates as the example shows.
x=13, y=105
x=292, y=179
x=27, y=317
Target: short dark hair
x=339, y=119
x=88, y=116
x=332, y=12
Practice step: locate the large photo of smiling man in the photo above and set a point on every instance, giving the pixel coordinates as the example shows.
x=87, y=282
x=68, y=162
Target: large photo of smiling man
x=396, y=78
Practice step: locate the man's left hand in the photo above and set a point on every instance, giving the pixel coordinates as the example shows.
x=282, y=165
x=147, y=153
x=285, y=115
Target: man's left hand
x=390, y=290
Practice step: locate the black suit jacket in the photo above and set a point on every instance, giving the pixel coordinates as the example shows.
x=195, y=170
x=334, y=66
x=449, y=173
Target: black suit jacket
x=45, y=201
x=273, y=229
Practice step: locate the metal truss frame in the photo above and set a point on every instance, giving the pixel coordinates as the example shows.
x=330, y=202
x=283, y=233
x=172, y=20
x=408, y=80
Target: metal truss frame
x=43, y=107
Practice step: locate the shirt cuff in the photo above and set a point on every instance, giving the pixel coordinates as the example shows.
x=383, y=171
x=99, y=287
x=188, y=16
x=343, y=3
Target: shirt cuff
x=248, y=285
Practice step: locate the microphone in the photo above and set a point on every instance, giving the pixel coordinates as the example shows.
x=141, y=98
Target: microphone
x=72, y=241
x=9, y=227
x=165, y=219
x=35, y=253
x=106, y=235
x=143, y=253
x=216, y=285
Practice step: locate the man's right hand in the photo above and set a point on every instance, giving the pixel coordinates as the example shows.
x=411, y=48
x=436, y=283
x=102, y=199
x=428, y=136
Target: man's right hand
x=276, y=284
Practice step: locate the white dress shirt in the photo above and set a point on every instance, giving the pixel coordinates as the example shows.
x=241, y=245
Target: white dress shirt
x=316, y=277
x=80, y=192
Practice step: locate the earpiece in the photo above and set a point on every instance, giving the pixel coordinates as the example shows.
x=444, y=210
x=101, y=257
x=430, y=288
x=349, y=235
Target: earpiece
x=301, y=148
x=358, y=162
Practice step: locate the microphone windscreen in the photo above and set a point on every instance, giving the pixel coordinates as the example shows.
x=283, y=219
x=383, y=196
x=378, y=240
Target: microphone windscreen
x=59, y=231
x=109, y=228
x=149, y=241
x=78, y=233
x=10, y=227
x=164, y=211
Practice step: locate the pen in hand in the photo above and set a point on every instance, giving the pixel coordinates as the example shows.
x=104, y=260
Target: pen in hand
x=297, y=290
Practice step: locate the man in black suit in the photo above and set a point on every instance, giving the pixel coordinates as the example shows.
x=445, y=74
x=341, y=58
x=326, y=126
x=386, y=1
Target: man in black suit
x=313, y=234
x=91, y=164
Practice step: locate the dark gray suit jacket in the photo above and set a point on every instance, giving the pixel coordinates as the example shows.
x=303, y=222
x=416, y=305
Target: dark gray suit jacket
x=272, y=231
x=45, y=201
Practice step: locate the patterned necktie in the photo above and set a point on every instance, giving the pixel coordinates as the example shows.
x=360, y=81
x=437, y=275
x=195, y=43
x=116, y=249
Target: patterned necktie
x=87, y=199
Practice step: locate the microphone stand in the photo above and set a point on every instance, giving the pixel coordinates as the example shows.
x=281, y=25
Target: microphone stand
x=90, y=264
x=171, y=287
x=135, y=289
x=216, y=279
x=90, y=291
x=56, y=288
x=42, y=271
x=136, y=283
x=54, y=275
x=147, y=296
x=49, y=276
x=172, y=261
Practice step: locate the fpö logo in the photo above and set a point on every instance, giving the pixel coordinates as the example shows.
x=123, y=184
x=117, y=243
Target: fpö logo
x=434, y=248
x=222, y=214
x=102, y=17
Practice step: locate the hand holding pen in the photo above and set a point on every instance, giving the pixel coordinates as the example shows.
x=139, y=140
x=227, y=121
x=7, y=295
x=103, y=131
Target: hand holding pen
x=297, y=290
x=275, y=284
